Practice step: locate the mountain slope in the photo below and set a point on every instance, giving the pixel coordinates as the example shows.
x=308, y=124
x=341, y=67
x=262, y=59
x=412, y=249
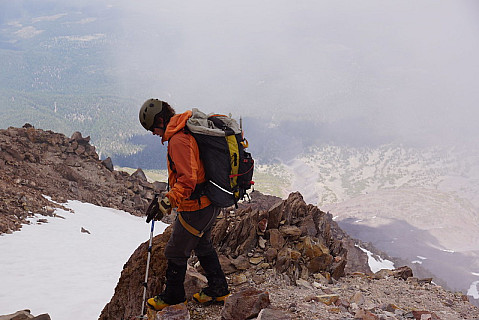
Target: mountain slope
x=407, y=201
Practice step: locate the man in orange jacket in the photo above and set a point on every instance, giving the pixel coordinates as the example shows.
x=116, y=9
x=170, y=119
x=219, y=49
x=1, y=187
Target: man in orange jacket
x=186, y=175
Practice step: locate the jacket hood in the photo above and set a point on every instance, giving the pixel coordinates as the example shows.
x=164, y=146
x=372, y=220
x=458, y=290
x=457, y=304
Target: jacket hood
x=177, y=123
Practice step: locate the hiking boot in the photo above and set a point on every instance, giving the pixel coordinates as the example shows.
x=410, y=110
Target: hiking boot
x=203, y=297
x=174, y=292
x=217, y=290
x=158, y=302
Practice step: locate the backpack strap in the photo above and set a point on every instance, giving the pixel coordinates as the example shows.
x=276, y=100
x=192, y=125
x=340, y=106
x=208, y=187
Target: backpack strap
x=189, y=228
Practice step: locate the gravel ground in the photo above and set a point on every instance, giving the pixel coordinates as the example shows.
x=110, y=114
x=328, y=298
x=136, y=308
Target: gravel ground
x=358, y=297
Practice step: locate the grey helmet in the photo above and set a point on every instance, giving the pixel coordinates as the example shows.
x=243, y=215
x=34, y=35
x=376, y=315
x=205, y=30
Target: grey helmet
x=148, y=111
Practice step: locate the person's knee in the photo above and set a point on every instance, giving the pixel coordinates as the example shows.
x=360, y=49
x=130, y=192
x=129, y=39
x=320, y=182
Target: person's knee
x=177, y=255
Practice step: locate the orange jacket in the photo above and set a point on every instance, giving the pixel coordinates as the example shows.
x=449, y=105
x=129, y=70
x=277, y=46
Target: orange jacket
x=187, y=169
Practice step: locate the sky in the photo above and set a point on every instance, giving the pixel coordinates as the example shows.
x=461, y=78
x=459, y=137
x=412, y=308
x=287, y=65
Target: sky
x=54, y=268
x=405, y=67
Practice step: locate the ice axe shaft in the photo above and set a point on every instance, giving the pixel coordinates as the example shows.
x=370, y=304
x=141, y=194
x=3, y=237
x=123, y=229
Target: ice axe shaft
x=145, y=283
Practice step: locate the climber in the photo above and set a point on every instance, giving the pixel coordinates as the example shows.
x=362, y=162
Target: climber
x=185, y=173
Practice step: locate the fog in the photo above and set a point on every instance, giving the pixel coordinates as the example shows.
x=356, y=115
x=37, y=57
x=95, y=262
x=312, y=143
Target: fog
x=402, y=68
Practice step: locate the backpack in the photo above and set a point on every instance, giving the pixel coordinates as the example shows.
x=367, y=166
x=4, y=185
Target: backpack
x=228, y=167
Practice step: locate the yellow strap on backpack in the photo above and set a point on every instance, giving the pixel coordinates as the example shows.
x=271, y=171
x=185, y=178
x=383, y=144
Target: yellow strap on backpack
x=234, y=160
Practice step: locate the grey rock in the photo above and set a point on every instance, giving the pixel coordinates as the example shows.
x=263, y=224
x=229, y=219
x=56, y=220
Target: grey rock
x=108, y=163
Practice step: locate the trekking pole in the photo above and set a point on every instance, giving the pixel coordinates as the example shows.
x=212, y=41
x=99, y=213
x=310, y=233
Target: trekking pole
x=145, y=284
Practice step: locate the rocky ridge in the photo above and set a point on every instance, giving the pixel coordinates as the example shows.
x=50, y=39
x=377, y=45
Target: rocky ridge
x=286, y=262
x=35, y=163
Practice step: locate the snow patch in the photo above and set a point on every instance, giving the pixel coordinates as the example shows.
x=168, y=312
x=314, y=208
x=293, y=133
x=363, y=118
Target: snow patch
x=376, y=264
x=449, y=251
x=61, y=271
x=473, y=290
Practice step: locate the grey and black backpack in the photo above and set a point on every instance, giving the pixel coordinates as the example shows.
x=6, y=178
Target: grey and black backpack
x=228, y=167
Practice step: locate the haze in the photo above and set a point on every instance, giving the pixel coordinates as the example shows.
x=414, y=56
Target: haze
x=405, y=69
x=408, y=68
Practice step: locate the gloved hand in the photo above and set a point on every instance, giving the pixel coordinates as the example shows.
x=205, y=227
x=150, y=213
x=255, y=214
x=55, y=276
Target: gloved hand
x=158, y=209
x=165, y=206
x=153, y=210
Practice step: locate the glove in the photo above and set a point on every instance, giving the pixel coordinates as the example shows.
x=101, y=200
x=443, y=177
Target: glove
x=153, y=210
x=164, y=206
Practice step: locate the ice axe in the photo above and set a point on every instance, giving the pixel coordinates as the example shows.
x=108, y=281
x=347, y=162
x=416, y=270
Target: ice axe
x=151, y=212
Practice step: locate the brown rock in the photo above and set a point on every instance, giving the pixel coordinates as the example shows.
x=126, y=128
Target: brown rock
x=290, y=231
x=174, y=312
x=238, y=279
x=365, y=315
x=77, y=137
x=256, y=260
x=226, y=264
x=271, y=254
x=245, y=304
x=276, y=239
x=275, y=215
x=320, y=263
x=402, y=272
x=194, y=282
x=273, y=314
x=357, y=298
x=283, y=259
x=327, y=299
x=19, y=315
x=139, y=174
x=241, y=263
x=423, y=315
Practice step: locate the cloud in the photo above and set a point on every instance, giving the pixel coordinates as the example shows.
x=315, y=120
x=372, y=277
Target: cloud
x=49, y=18
x=28, y=32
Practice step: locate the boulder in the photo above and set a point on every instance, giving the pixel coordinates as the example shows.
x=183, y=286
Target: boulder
x=245, y=304
x=273, y=314
x=139, y=174
x=108, y=163
x=174, y=312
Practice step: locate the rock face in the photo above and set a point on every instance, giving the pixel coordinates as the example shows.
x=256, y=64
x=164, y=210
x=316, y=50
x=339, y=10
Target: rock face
x=35, y=162
x=294, y=238
x=127, y=299
x=289, y=238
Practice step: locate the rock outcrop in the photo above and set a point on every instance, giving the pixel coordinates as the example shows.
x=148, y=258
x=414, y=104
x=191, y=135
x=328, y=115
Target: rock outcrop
x=25, y=315
x=289, y=238
x=127, y=299
x=35, y=163
x=296, y=239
